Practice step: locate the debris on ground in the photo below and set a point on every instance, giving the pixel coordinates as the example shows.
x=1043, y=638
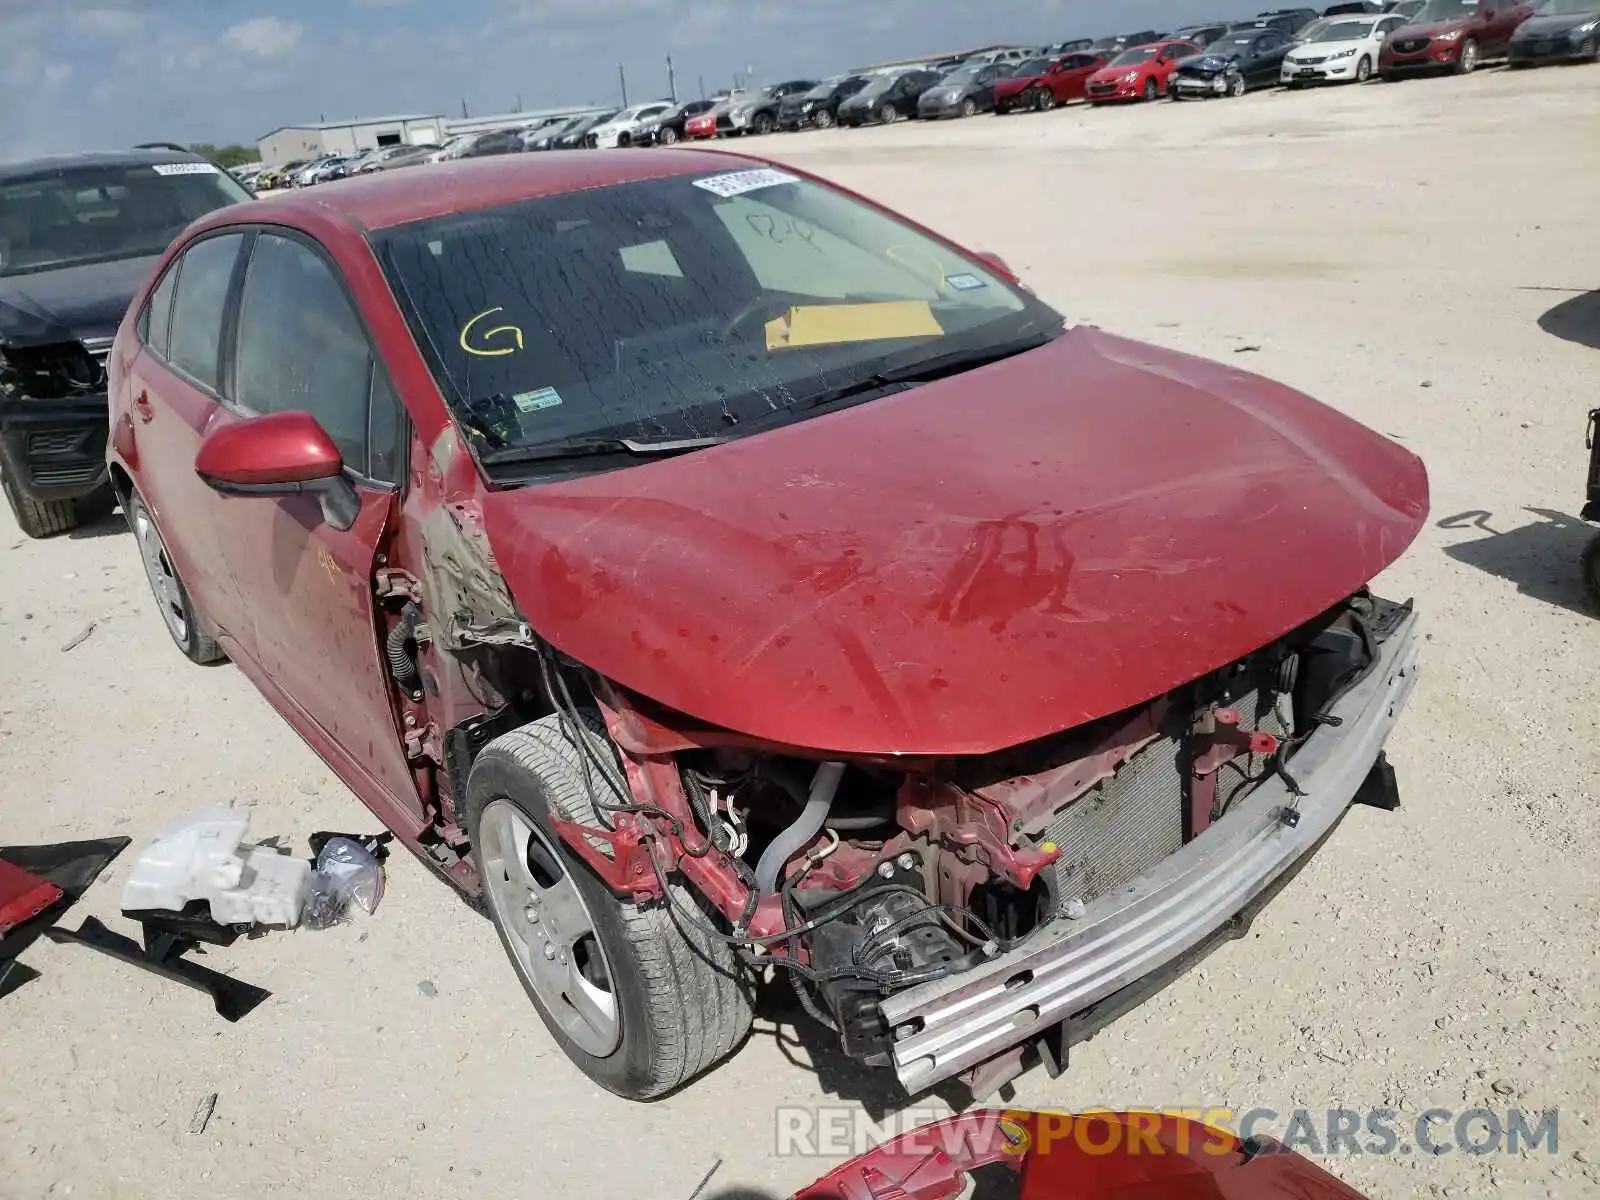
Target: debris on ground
x=81, y=637
x=1245, y=349
x=202, y=1113
x=428, y=988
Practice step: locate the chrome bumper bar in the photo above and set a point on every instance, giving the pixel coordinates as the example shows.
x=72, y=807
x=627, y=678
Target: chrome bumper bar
x=952, y=1025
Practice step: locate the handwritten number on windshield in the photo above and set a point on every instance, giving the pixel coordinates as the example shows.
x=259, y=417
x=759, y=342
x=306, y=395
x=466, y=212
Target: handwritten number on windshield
x=778, y=231
x=483, y=344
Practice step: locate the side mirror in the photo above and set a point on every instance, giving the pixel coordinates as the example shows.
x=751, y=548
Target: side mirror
x=280, y=454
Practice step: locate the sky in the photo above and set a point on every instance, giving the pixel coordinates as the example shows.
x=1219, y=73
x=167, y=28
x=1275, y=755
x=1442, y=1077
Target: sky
x=102, y=74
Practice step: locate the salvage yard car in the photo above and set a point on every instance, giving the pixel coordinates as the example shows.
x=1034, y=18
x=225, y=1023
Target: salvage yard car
x=714, y=573
x=1040, y=84
x=78, y=234
x=1138, y=73
x=1452, y=36
x=1558, y=31
x=1341, y=51
x=1232, y=65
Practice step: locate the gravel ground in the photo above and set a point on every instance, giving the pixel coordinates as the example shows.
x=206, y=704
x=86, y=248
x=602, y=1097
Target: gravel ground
x=1422, y=256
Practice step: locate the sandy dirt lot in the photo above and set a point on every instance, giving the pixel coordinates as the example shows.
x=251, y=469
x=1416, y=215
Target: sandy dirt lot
x=1423, y=256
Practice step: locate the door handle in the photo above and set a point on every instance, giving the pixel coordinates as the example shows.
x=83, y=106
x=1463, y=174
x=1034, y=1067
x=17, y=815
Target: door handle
x=142, y=404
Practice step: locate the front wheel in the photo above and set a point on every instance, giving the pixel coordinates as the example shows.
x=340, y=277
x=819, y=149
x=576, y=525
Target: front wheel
x=823, y=119
x=762, y=125
x=639, y=996
x=888, y=114
x=172, y=597
x=1044, y=100
x=1364, y=69
x=1236, y=86
x=1467, y=60
x=668, y=136
x=969, y=107
x=1152, y=89
x=39, y=518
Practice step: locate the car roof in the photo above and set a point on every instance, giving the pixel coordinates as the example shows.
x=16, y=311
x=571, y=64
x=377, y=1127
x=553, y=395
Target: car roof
x=387, y=199
x=50, y=164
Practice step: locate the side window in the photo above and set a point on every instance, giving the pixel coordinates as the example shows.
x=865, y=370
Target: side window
x=158, y=313
x=195, y=337
x=301, y=349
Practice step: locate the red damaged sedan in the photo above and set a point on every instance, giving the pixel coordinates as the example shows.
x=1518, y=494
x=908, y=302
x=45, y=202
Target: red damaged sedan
x=1139, y=72
x=1041, y=84
x=716, y=575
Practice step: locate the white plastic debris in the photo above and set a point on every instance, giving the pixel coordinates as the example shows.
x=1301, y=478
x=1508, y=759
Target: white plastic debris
x=203, y=857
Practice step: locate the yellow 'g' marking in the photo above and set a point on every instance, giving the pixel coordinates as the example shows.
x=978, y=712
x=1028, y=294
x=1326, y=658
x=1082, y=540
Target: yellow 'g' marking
x=484, y=350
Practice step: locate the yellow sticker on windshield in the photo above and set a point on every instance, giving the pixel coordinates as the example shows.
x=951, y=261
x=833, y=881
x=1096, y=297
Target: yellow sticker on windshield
x=479, y=343
x=834, y=324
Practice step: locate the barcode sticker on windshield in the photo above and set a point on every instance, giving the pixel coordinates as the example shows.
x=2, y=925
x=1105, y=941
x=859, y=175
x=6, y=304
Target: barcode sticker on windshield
x=739, y=182
x=201, y=168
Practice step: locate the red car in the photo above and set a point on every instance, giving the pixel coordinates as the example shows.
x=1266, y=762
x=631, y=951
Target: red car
x=1042, y=83
x=701, y=125
x=1138, y=73
x=713, y=573
x=1452, y=36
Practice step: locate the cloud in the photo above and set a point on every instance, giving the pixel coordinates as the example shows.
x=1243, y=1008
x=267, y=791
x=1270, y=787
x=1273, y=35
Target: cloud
x=108, y=22
x=264, y=37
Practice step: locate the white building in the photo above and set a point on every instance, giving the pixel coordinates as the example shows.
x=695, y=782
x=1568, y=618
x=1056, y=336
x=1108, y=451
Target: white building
x=301, y=142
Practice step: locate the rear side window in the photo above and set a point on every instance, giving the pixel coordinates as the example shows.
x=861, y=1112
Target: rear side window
x=195, y=338
x=158, y=315
x=302, y=349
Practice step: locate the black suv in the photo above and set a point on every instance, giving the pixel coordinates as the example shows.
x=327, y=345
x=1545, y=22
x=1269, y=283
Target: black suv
x=78, y=235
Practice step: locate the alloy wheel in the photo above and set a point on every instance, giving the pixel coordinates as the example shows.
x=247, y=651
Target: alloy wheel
x=823, y=119
x=668, y=136
x=1236, y=86
x=158, y=569
x=1045, y=100
x=549, y=928
x=1469, y=56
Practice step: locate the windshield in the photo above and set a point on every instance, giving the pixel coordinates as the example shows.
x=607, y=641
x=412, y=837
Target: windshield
x=961, y=76
x=92, y=214
x=878, y=83
x=1233, y=43
x=1567, y=8
x=1343, y=31
x=1444, y=10
x=1138, y=54
x=681, y=307
x=1034, y=66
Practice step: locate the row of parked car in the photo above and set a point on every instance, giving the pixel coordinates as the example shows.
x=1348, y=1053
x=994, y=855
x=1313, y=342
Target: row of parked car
x=1296, y=47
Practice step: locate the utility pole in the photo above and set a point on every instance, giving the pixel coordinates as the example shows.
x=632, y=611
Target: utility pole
x=622, y=75
x=519, y=102
x=672, y=81
x=702, y=87
x=463, y=110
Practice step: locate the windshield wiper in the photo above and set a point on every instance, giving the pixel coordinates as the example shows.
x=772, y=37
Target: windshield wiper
x=583, y=447
x=926, y=370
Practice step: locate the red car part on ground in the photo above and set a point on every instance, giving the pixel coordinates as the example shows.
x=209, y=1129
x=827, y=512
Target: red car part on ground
x=1139, y=72
x=1064, y=80
x=1090, y=1156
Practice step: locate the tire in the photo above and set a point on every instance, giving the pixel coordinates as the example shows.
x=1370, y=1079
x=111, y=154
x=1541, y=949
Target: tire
x=1364, y=69
x=1236, y=86
x=667, y=136
x=762, y=124
x=1589, y=564
x=178, y=614
x=1044, y=101
x=1467, y=58
x=681, y=1000
x=969, y=107
x=888, y=114
x=1152, y=89
x=823, y=119
x=39, y=518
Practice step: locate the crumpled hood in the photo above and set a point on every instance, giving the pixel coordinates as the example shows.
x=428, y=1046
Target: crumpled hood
x=970, y=564
x=1206, y=64
x=1011, y=85
x=71, y=304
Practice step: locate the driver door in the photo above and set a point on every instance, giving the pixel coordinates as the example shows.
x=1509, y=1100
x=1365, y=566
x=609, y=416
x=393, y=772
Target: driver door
x=306, y=582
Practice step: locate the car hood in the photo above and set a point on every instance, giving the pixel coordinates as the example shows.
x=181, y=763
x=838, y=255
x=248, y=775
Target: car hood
x=1548, y=26
x=1012, y=84
x=1432, y=29
x=71, y=304
x=970, y=564
x=1206, y=62
x=1111, y=74
x=1325, y=49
